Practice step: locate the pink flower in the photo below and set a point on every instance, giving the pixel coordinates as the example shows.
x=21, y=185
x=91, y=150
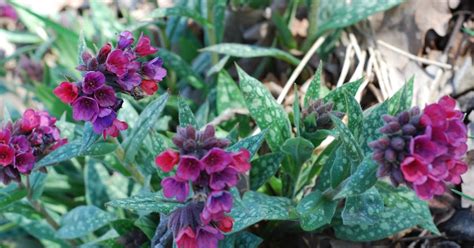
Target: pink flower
x=67, y=92
x=7, y=155
x=115, y=129
x=186, y=238
x=29, y=121
x=456, y=169
x=225, y=224
x=5, y=136
x=103, y=53
x=456, y=133
x=149, y=86
x=208, y=237
x=167, y=160
x=216, y=160
x=240, y=160
x=143, y=47
x=424, y=148
x=189, y=168
x=175, y=187
x=429, y=188
x=414, y=170
x=117, y=62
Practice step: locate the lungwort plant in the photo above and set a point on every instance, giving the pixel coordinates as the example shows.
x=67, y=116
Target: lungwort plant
x=117, y=170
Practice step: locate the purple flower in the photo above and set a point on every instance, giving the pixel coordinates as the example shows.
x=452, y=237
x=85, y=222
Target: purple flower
x=186, y=238
x=189, y=168
x=226, y=178
x=8, y=11
x=154, y=70
x=117, y=62
x=24, y=162
x=219, y=201
x=125, y=40
x=105, y=96
x=7, y=155
x=424, y=148
x=143, y=47
x=208, y=237
x=20, y=144
x=429, y=188
x=5, y=136
x=103, y=122
x=216, y=160
x=175, y=187
x=456, y=133
x=129, y=80
x=92, y=81
x=85, y=108
x=414, y=170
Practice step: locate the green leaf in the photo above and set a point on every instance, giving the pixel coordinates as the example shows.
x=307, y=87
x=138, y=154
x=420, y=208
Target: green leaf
x=37, y=181
x=363, y=209
x=402, y=210
x=354, y=112
x=95, y=176
x=265, y=110
x=250, y=51
x=20, y=37
x=296, y=112
x=252, y=143
x=186, y=116
x=247, y=240
x=147, y=119
x=314, y=86
x=351, y=145
x=182, y=69
x=83, y=220
x=339, y=14
x=315, y=211
x=72, y=150
x=255, y=206
x=363, y=179
x=341, y=167
x=181, y=12
x=337, y=96
x=401, y=101
x=325, y=161
x=228, y=94
x=11, y=194
x=88, y=136
x=263, y=168
x=299, y=150
x=284, y=34
x=22, y=208
x=145, y=204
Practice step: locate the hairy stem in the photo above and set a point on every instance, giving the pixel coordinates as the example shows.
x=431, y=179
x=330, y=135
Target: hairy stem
x=132, y=168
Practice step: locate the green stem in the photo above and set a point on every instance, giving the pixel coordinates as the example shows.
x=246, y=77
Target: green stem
x=132, y=168
x=211, y=34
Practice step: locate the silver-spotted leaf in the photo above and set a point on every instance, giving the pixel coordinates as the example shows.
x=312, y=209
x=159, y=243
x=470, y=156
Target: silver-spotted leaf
x=186, y=116
x=83, y=220
x=252, y=143
x=263, y=168
x=145, y=204
x=315, y=211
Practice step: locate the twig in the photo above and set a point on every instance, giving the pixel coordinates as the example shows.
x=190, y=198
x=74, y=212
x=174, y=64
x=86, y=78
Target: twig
x=345, y=66
x=360, y=68
x=299, y=68
x=356, y=46
x=227, y=115
x=378, y=73
x=414, y=57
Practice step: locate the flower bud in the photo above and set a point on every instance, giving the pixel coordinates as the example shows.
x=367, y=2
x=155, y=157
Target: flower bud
x=398, y=144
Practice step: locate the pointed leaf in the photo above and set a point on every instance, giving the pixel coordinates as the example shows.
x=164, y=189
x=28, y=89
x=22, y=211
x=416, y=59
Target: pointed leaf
x=252, y=143
x=186, y=116
x=315, y=211
x=145, y=204
x=363, y=209
x=228, y=94
x=83, y=220
x=314, y=86
x=263, y=168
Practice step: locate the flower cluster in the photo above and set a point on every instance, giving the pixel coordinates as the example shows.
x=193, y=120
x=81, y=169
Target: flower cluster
x=316, y=118
x=423, y=149
x=7, y=11
x=212, y=171
x=113, y=70
x=25, y=141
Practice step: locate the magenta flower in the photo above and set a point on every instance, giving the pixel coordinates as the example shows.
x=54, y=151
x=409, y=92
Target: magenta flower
x=24, y=162
x=240, y=161
x=219, y=201
x=125, y=40
x=85, y=108
x=225, y=223
x=103, y=53
x=29, y=121
x=102, y=122
x=115, y=129
x=186, y=238
x=67, y=92
x=456, y=169
x=225, y=178
x=20, y=144
x=414, y=170
x=424, y=148
x=189, y=168
x=117, y=62
x=8, y=11
x=129, y=80
x=143, y=47
x=154, y=70
x=456, y=133
x=429, y=188
x=208, y=237
x=167, y=160
x=175, y=187
x=149, y=86
x=7, y=155
x=92, y=81
x=105, y=96
x=5, y=136
x=216, y=160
